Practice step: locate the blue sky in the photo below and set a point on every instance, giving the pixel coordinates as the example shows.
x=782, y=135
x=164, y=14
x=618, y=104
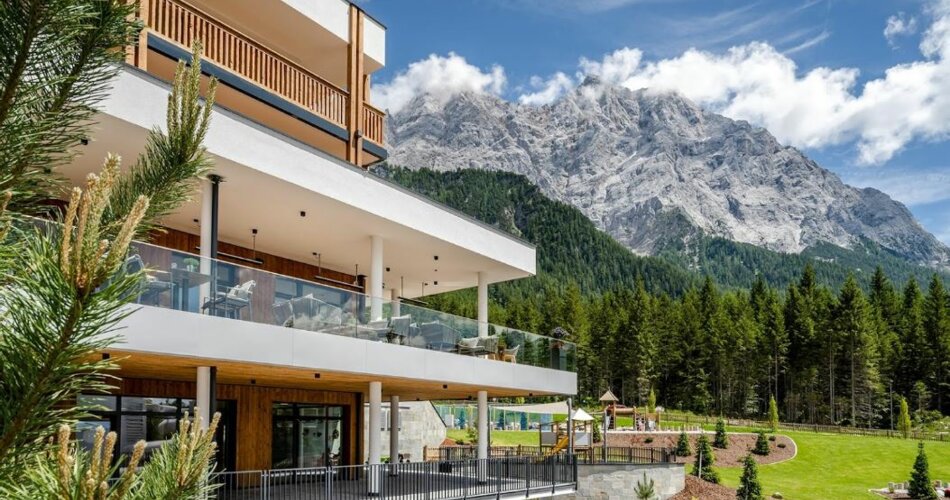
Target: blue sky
x=863, y=86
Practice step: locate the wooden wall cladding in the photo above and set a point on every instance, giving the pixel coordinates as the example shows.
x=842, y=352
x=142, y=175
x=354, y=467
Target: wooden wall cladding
x=187, y=242
x=254, y=413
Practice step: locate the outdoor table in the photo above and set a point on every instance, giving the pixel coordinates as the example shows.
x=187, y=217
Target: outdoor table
x=185, y=280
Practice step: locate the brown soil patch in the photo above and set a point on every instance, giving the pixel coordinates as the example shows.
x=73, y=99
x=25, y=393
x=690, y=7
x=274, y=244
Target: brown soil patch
x=697, y=488
x=739, y=446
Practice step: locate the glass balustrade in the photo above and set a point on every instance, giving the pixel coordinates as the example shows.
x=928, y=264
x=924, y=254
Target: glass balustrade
x=187, y=282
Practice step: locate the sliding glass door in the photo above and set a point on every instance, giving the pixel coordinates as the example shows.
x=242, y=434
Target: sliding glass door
x=307, y=435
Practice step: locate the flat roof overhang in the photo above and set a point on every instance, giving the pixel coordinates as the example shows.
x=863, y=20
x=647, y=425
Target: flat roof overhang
x=269, y=179
x=166, y=344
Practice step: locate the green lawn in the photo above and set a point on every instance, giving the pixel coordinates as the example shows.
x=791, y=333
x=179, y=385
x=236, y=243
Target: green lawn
x=828, y=466
x=839, y=466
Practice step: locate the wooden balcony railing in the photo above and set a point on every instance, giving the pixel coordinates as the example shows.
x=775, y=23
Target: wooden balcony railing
x=225, y=46
x=373, y=124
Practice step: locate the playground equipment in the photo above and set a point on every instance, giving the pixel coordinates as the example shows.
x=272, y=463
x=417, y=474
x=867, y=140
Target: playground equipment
x=642, y=421
x=553, y=436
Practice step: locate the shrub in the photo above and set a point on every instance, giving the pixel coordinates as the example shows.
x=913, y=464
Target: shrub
x=903, y=421
x=721, y=441
x=682, y=446
x=761, y=445
x=781, y=445
x=771, y=438
x=921, y=488
x=702, y=467
x=645, y=490
x=648, y=440
x=773, y=414
x=749, y=487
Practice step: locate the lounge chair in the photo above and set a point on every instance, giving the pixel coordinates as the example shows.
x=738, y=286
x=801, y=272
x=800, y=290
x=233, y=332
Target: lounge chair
x=233, y=299
x=151, y=287
x=400, y=328
x=439, y=337
x=479, y=346
x=511, y=355
x=283, y=313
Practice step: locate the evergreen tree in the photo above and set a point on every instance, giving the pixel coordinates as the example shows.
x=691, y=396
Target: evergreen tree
x=721, y=441
x=682, y=445
x=651, y=402
x=646, y=489
x=749, y=487
x=903, y=421
x=937, y=338
x=921, y=487
x=853, y=328
x=62, y=295
x=912, y=339
x=773, y=415
x=703, y=465
x=761, y=444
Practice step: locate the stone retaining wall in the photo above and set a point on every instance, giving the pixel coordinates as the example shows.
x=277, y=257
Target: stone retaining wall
x=611, y=481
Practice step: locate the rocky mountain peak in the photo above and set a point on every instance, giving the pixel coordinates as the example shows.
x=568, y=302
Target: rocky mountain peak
x=648, y=167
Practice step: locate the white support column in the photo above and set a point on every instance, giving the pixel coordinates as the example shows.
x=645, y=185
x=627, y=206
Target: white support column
x=393, y=430
x=482, y=435
x=394, y=297
x=374, y=450
x=482, y=424
x=203, y=396
x=376, y=277
x=482, y=305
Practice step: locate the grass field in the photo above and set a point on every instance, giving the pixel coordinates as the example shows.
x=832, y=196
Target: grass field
x=828, y=466
x=836, y=466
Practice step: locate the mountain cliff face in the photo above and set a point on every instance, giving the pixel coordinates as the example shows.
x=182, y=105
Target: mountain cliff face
x=655, y=171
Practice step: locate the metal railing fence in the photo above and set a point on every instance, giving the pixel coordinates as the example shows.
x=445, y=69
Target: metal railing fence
x=445, y=480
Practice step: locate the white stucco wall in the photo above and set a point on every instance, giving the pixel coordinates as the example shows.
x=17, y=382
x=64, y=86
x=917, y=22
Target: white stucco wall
x=166, y=331
x=140, y=99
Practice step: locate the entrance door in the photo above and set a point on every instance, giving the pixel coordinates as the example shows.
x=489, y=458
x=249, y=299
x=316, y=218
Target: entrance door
x=306, y=435
x=226, y=435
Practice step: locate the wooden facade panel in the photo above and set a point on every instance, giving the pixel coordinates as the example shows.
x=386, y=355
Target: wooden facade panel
x=187, y=242
x=254, y=413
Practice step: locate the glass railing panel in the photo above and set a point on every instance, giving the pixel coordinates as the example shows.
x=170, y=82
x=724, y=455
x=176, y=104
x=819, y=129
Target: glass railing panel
x=188, y=282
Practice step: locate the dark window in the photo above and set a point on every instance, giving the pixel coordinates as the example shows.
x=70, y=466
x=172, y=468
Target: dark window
x=134, y=418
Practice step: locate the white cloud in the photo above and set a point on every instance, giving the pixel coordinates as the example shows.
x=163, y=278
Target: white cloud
x=809, y=43
x=756, y=82
x=547, y=91
x=439, y=76
x=899, y=25
x=818, y=108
